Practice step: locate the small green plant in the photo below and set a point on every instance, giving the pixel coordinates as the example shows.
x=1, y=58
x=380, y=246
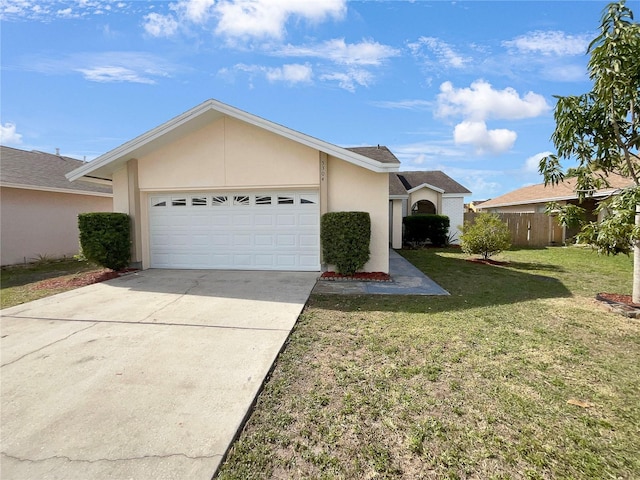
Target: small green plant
x=487, y=236
x=345, y=238
x=105, y=238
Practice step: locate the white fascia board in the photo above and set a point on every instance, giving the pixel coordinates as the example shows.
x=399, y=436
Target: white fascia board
x=456, y=195
x=57, y=190
x=216, y=106
x=426, y=185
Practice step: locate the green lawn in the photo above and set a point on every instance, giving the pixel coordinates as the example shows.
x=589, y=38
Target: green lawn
x=18, y=284
x=474, y=385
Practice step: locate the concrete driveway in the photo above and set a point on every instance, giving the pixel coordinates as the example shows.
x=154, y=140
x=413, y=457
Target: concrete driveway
x=147, y=376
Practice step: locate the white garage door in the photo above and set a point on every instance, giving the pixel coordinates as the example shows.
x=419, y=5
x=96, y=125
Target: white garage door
x=240, y=231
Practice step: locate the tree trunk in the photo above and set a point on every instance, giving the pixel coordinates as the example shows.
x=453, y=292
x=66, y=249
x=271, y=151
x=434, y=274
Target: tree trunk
x=636, y=262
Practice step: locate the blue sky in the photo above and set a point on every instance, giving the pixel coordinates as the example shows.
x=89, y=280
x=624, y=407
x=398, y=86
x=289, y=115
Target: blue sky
x=465, y=87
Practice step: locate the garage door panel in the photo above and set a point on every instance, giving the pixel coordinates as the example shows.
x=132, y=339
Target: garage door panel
x=267, y=231
x=261, y=240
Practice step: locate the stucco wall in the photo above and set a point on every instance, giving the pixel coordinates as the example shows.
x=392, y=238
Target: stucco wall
x=425, y=194
x=36, y=223
x=351, y=188
x=232, y=154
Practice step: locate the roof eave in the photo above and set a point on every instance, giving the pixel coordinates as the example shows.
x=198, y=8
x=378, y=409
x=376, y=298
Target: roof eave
x=56, y=190
x=128, y=149
x=426, y=185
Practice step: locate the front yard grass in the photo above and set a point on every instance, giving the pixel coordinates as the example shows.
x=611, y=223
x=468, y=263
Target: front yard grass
x=19, y=284
x=518, y=374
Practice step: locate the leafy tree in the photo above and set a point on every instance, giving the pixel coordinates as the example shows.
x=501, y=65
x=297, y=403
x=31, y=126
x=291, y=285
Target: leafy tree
x=600, y=131
x=487, y=236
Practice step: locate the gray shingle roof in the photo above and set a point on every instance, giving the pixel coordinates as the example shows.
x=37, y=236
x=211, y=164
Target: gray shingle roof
x=401, y=182
x=379, y=153
x=42, y=170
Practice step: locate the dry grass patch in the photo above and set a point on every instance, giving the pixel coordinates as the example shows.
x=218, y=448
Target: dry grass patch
x=456, y=387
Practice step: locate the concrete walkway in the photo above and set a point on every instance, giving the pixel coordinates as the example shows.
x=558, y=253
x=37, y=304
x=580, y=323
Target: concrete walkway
x=407, y=280
x=148, y=376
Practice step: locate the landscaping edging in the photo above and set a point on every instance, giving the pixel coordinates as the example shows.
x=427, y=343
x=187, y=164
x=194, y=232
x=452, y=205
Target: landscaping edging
x=623, y=309
x=356, y=277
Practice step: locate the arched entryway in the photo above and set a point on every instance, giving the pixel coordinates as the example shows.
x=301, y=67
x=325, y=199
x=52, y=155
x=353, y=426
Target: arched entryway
x=423, y=206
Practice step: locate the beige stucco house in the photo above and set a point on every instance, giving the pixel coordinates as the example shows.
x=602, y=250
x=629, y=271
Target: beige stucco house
x=220, y=188
x=425, y=192
x=39, y=207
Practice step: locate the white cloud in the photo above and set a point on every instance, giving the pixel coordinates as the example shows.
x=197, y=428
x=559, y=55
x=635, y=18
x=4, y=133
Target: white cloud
x=350, y=78
x=8, y=135
x=160, y=25
x=133, y=67
x=367, y=52
x=290, y=73
x=267, y=18
x=444, y=53
x=532, y=163
x=403, y=104
x=111, y=74
x=481, y=101
x=44, y=11
x=550, y=43
x=484, y=140
x=196, y=11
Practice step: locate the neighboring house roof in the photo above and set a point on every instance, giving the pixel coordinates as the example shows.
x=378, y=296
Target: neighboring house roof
x=208, y=111
x=542, y=194
x=35, y=170
x=401, y=183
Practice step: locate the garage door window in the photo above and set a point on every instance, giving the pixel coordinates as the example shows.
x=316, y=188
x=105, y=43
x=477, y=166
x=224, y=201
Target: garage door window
x=219, y=201
x=263, y=199
x=158, y=202
x=178, y=202
x=241, y=200
x=285, y=200
x=198, y=201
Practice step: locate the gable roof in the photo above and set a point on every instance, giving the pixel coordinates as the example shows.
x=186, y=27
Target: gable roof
x=35, y=170
x=401, y=183
x=540, y=193
x=209, y=111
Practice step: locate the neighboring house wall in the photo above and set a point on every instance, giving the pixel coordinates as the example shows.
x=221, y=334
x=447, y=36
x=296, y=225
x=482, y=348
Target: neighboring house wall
x=37, y=223
x=230, y=155
x=527, y=208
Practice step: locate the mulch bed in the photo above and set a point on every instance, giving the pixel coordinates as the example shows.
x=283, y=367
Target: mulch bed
x=621, y=304
x=79, y=279
x=488, y=261
x=357, y=277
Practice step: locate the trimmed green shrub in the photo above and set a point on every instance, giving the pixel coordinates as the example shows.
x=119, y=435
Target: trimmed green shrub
x=105, y=238
x=345, y=240
x=422, y=227
x=487, y=236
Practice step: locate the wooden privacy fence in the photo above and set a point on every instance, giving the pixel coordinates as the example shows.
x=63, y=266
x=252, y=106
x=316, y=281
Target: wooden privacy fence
x=528, y=229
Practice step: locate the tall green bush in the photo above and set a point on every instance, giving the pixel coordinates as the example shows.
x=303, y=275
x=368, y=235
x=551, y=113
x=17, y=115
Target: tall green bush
x=487, y=236
x=345, y=238
x=420, y=228
x=105, y=238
